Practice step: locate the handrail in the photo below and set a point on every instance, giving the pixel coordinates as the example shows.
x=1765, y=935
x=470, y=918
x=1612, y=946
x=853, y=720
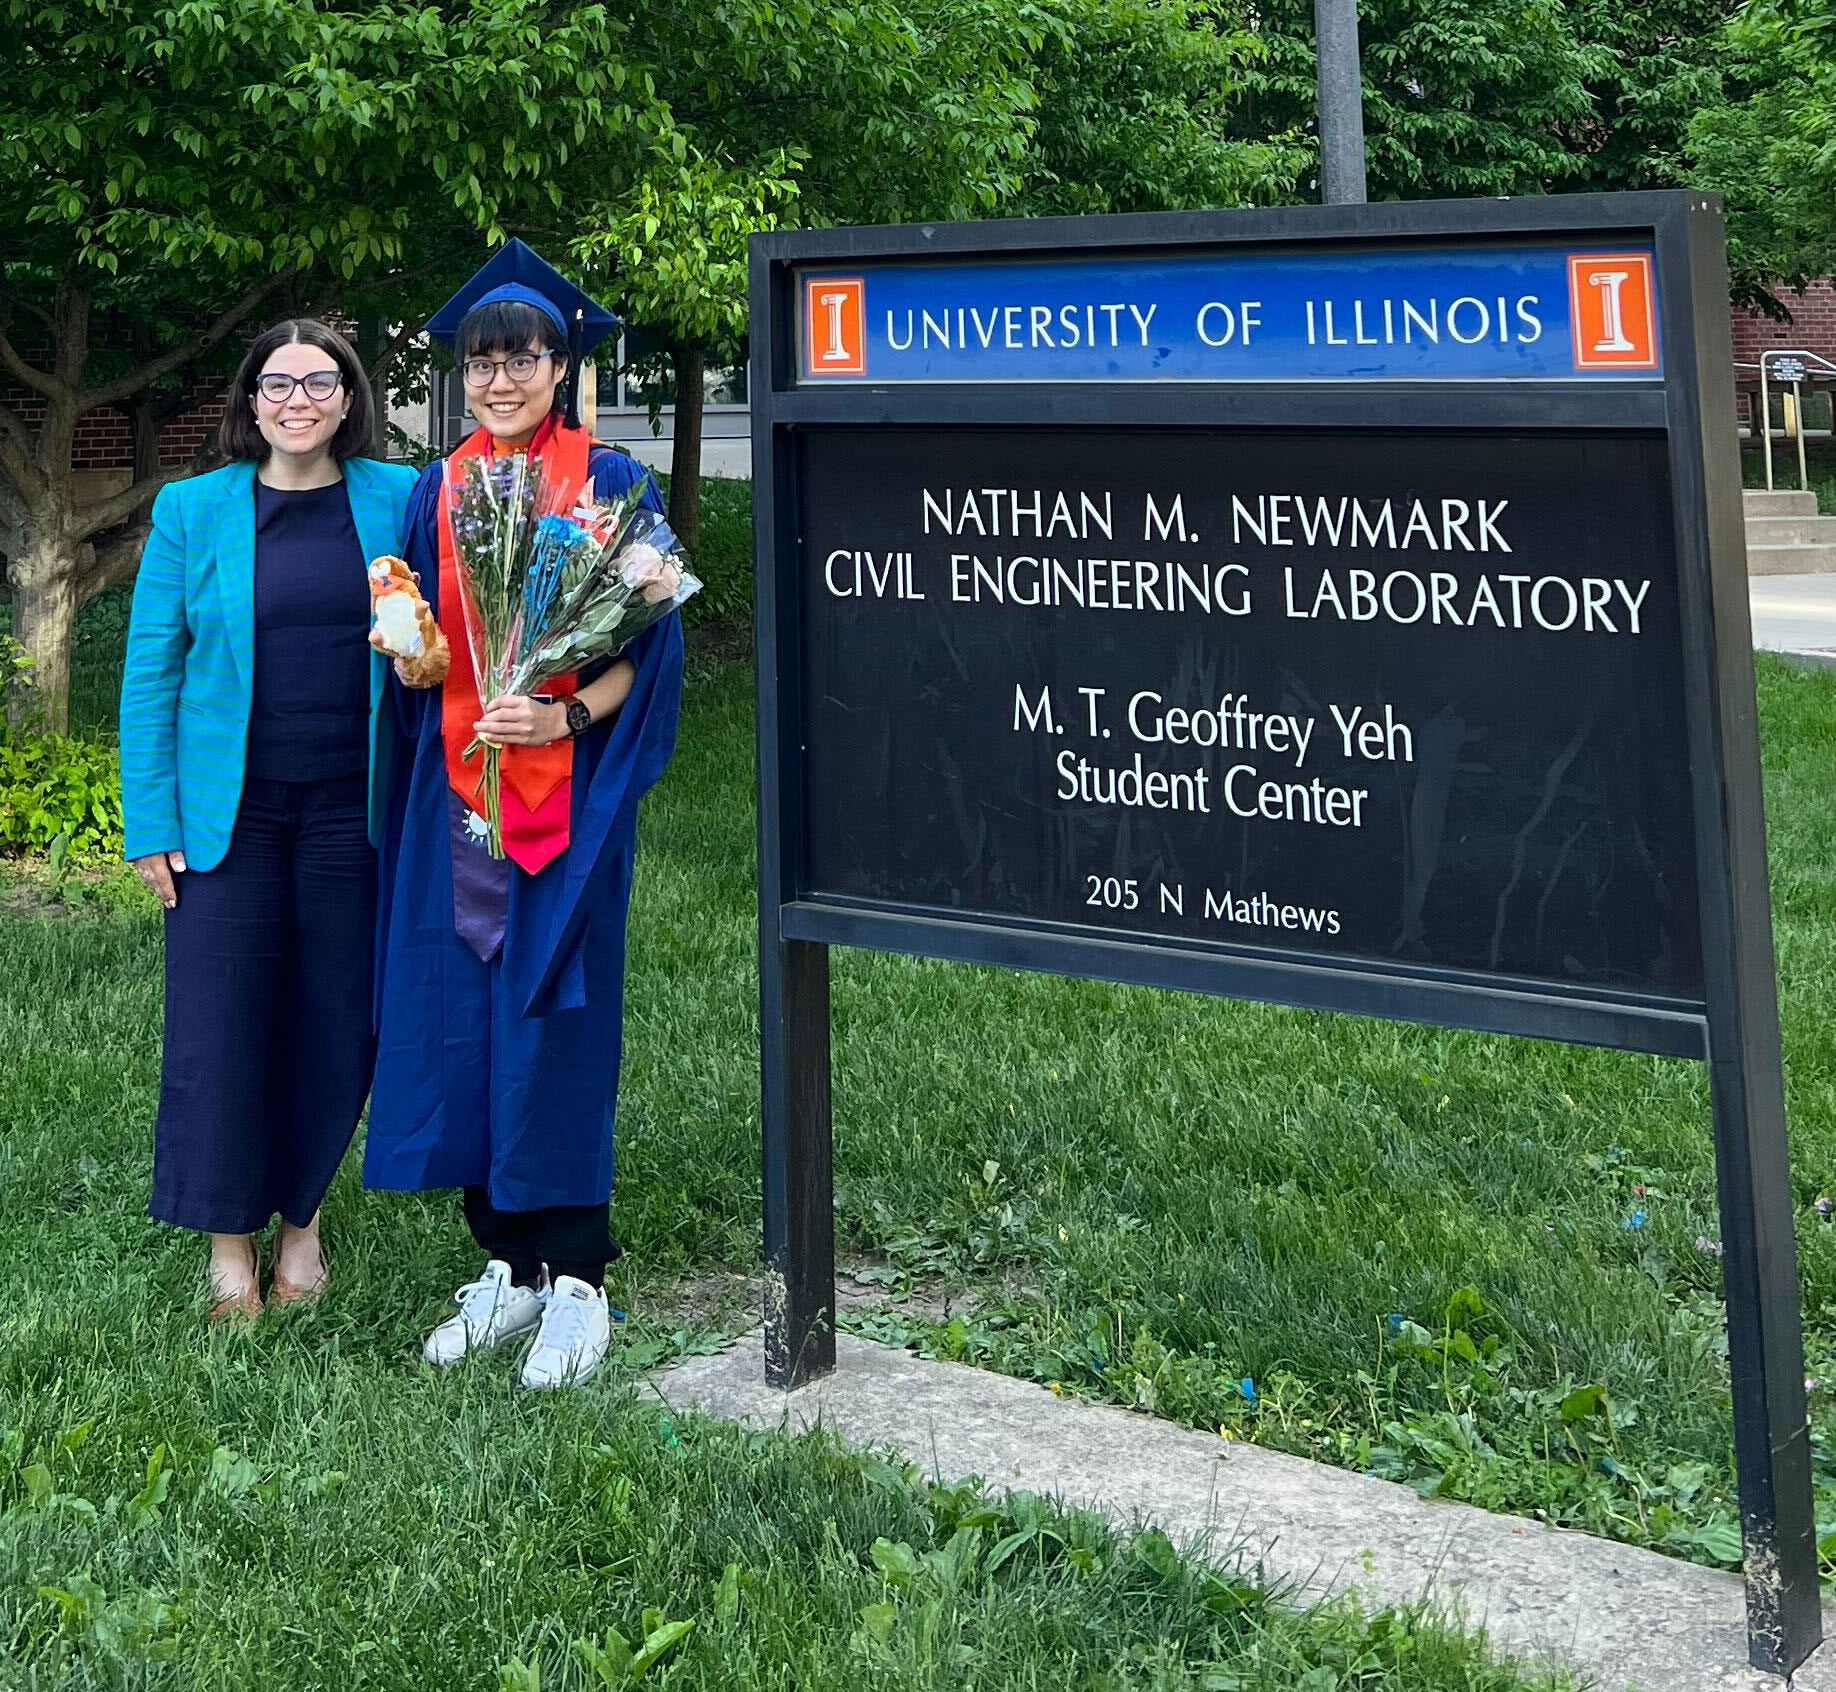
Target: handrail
x=1797, y=362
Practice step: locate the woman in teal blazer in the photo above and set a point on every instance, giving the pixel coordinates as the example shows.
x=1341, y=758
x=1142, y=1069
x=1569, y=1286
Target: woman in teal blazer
x=250, y=749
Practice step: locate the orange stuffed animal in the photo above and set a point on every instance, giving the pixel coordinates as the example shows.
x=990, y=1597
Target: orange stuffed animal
x=404, y=624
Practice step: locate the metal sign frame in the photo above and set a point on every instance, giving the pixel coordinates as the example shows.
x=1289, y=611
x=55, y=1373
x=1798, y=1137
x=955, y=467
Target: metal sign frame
x=1734, y=1029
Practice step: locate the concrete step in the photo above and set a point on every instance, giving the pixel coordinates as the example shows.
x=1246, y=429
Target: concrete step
x=1780, y=502
x=1790, y=531
x=1811, y=560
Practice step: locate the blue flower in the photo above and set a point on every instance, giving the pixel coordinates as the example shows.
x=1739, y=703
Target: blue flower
x=1635, y=1221
x=1393, y=1323
x=1248, y=1388
x=558, y=530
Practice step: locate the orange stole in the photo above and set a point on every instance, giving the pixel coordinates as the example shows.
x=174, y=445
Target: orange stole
x=536, y=781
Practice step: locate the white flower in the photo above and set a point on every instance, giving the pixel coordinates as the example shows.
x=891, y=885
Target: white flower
x=647, y=570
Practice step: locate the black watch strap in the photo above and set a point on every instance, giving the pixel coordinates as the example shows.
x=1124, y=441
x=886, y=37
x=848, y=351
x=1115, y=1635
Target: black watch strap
x=579, y=718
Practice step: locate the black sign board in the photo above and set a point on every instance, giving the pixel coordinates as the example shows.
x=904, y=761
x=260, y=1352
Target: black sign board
x=1340, y=607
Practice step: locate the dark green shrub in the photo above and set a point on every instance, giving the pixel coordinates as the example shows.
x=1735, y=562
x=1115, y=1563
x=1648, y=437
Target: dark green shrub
x=54, y=786
x=59, y=795
x=724, y=558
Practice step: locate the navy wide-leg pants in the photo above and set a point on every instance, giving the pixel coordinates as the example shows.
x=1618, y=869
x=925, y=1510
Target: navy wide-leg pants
x=269, y=1044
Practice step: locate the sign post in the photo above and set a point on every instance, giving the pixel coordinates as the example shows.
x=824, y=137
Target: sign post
x=1339, y=607
x=1341, y=101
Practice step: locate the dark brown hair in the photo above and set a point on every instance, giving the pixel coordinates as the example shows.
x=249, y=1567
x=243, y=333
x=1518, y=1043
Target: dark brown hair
x=241, y=437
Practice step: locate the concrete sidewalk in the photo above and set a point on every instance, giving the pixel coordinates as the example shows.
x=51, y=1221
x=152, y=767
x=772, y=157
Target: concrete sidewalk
x=1795, y=616
x=1623, y=1617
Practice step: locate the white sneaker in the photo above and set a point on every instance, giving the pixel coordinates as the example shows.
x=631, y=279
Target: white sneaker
x=572, y=1341
x=491, y=1310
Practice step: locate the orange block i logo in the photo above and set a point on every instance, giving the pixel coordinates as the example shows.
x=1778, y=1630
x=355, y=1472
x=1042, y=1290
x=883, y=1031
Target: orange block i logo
x=1612, y=308
x=834, y=326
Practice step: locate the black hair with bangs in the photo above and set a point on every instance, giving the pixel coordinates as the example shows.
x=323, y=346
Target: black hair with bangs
x=508, y=326
x=504, y=326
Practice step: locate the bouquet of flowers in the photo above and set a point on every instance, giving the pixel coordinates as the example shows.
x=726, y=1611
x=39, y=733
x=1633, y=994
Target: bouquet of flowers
x=547, y=590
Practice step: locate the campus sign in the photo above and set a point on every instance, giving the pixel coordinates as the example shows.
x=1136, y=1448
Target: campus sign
x=1452, y=313
x=1343, y=608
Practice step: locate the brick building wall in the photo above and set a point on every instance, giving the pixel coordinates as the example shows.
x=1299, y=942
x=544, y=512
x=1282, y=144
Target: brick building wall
x=103, y=453
x=105, y=438
x=1812, y=329
x=1812, y=326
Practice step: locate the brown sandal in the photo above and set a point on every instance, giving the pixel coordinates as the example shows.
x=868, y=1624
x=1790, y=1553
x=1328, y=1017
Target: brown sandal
x=285, y=1292
x=243, y=1306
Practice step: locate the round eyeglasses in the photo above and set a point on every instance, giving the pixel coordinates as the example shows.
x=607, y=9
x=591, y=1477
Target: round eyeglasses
x=277, y=389
x=520, y=367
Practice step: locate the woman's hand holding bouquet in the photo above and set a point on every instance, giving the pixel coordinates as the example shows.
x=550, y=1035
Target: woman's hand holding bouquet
x=548, y=589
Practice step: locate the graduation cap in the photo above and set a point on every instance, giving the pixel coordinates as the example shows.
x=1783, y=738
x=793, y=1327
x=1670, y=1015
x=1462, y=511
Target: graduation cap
x=518, y=273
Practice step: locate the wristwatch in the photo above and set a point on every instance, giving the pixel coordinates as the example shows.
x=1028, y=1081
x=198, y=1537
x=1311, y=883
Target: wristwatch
x=579, y=718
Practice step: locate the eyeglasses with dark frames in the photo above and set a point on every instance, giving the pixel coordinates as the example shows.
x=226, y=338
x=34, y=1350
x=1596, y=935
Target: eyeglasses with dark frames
x=520, y=367
x=277, y=388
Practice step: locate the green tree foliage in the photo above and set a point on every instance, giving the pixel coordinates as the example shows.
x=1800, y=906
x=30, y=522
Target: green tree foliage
x=1484, y=97
x=678, y=246
x=1136, y=104
x=888, y=111
x=809, y=112
x=1770, y=146
x=1659, y=63
x=174, y=174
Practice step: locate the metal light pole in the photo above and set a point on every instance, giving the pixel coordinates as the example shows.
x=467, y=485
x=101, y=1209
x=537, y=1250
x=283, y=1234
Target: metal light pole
x=1341, y=102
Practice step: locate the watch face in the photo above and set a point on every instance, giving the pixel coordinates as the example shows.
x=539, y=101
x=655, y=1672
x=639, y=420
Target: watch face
x=579, y=718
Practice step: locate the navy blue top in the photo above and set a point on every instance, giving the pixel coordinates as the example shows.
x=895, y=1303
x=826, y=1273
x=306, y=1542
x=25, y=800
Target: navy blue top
x=310, y=718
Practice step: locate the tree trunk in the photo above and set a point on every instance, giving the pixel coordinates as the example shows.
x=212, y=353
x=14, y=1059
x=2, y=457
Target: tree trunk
x=690, y=366
x=43, y=580
x=67, y=553
x=371, y=336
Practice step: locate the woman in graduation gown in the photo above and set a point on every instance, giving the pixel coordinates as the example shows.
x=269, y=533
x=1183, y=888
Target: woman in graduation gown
x=500, y=983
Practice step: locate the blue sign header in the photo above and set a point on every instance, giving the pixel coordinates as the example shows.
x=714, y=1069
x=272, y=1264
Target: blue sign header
x=1385, y=314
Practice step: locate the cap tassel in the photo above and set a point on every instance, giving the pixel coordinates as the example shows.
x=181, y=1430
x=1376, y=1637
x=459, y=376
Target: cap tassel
x=575, y=333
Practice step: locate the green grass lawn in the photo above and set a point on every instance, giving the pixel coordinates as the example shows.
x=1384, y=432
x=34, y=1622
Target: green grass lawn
x=1482, y=1266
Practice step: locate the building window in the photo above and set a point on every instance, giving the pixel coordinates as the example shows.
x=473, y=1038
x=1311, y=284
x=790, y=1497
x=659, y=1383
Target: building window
x=642, y=377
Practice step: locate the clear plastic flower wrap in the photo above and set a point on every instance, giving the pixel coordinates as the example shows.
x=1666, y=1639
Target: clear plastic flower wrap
x=547, y=588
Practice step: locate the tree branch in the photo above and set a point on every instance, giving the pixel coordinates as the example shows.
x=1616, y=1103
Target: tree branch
x=333, y=296
x=16, y=461
x=70, y=334
x=14, y=301
x=118, y=508
x=27, y=375
x=114, y=564
x=392, y=351
x=113, y=393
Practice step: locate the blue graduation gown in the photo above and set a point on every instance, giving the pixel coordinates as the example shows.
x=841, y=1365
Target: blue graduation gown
x=504, y=1075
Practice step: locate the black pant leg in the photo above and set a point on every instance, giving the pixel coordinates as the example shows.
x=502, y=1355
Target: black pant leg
x=563, y=1239
x=328, y=1041
x=576, y=1240
x=219, y=1159
x=505, y=1235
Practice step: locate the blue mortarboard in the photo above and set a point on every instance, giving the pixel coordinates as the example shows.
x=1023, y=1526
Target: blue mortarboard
x=517, y=272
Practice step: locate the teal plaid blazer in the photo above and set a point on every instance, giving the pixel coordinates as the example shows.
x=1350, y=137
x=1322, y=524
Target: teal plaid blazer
x=189, y=682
